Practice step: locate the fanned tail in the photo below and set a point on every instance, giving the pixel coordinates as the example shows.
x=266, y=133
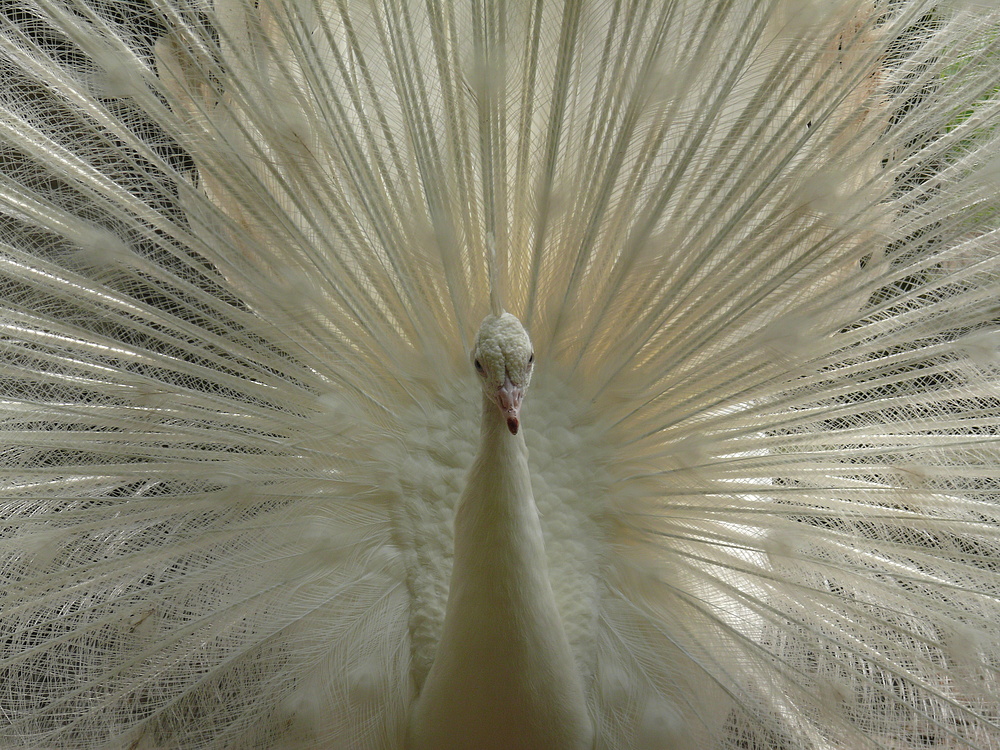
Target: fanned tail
x=245, y=247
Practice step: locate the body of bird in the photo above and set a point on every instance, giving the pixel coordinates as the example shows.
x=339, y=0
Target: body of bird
x=503, y=675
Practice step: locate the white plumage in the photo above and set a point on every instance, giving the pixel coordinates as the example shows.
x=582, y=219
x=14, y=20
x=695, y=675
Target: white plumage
x=246, y=248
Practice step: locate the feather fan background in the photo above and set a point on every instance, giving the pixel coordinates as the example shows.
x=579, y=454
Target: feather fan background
x=244, y=250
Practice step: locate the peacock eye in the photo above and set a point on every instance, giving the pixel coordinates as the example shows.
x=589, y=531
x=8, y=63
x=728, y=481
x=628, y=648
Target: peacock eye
x=479, y=367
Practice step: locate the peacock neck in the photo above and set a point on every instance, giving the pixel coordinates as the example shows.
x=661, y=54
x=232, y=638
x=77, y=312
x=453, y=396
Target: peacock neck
x=498, y=503
x=503, y=675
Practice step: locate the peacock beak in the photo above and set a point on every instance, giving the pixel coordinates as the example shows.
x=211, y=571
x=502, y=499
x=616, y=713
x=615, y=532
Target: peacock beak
x=509, y=399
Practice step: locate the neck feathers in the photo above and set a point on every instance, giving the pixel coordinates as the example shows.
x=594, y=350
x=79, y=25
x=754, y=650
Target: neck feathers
x=503, y=675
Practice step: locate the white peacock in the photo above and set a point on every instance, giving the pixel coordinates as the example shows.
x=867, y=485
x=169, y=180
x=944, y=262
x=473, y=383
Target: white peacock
x=251, y=497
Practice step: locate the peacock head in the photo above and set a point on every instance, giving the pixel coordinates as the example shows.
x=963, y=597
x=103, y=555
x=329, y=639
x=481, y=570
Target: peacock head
x=503, y=358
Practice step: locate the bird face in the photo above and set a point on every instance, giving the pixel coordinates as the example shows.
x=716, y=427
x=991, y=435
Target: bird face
x=503, y=358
